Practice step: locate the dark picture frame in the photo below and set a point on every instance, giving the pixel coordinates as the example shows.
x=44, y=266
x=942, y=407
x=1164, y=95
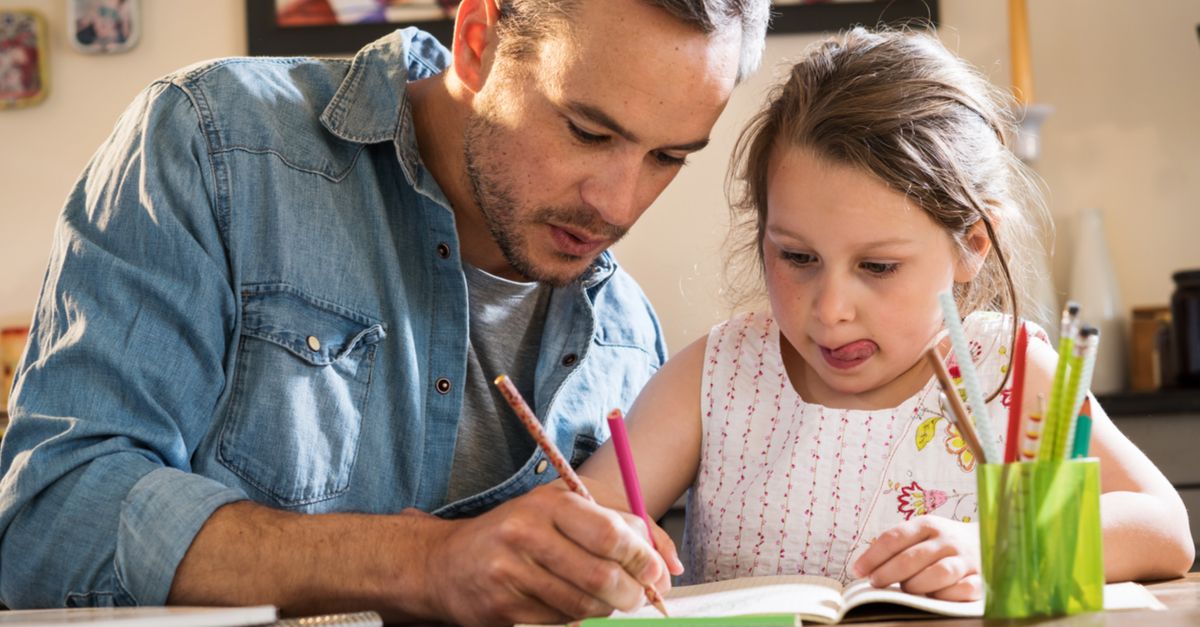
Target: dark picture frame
x=265, y=37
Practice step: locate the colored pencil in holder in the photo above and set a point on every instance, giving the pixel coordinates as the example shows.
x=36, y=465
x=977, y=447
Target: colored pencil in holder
x=1089, y=340
x=1031, y=433
x=960, y=417
x=1012, y=440
x=1083, y=431
x=1055, y=408
x=966, y=367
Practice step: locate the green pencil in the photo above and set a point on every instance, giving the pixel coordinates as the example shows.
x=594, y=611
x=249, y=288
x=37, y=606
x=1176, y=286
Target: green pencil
x=1052, y=422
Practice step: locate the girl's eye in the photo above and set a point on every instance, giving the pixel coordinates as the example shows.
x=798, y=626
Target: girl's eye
x=797, y=259
x=878, y=268
x=584, y=136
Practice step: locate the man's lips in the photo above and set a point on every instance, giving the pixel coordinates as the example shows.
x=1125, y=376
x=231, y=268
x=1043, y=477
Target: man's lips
x=575, y=242
x=849, y=355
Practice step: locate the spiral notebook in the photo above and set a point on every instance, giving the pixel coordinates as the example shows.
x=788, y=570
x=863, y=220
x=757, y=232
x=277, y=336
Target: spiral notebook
x=179, y=616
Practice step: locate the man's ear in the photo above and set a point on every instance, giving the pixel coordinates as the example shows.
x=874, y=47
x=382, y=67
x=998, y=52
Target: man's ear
x=474, y=34
x=978, y=245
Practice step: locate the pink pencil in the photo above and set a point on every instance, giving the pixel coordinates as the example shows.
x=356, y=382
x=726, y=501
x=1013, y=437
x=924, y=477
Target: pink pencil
x=1017, y=399
x=633, y=489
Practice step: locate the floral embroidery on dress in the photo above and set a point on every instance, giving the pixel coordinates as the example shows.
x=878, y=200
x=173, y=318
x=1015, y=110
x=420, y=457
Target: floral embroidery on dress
x=1006, y=397
x=927, y=430
x=917, y=501
x=957, y=446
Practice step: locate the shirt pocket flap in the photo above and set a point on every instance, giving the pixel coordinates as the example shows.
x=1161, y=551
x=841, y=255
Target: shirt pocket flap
x=318, y=332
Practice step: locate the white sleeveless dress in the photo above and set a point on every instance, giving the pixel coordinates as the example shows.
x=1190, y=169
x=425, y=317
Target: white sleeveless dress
x=790, y=487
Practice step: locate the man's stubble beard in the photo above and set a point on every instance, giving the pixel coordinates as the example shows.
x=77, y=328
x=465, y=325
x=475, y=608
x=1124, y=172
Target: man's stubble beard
x=493, y=194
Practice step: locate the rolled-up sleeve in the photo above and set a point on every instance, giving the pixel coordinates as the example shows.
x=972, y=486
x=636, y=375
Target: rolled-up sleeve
x=125, y=367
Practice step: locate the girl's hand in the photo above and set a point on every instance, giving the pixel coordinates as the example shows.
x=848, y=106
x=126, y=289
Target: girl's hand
x=929, y=555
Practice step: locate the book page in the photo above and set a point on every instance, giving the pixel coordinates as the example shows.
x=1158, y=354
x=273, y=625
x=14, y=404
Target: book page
x=861, y=593
x=1117, y=596
x=812, y=598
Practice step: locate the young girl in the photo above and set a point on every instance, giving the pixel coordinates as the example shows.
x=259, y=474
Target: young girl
x=811, y=436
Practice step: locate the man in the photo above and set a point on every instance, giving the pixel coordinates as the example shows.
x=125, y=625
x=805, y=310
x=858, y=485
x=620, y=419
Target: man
x=281, y=290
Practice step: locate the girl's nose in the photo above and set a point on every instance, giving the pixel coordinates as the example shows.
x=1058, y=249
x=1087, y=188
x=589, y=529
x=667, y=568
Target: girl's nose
x=833, y=302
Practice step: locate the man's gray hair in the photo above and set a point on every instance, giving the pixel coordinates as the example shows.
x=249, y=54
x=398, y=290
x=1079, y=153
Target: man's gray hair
x=525, y=22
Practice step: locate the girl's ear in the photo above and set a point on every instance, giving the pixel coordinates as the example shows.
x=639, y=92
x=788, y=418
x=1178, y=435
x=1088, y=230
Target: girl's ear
x=978, y=245
x=474, y=41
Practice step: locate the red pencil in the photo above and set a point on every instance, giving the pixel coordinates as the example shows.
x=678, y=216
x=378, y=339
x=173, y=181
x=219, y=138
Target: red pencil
x=1015, y=401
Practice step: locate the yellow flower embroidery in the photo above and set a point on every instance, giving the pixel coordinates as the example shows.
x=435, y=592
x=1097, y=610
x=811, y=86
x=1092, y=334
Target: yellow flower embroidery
x=957, y=446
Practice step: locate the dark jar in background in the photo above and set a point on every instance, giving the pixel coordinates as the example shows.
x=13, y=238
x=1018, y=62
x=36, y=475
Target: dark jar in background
x=1185, y=323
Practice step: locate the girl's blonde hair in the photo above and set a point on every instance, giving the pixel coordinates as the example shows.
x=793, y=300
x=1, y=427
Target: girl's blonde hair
x=901, y=107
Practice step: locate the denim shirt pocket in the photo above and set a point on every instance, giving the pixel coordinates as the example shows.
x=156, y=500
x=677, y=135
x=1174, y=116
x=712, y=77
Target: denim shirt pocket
x=303, y=370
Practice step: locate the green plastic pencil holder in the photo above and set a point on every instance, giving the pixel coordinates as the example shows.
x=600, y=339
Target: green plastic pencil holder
x=1039, y=536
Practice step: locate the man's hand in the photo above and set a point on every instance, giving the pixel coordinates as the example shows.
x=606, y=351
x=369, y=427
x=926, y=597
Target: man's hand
x=549, y=556
x=929, y=555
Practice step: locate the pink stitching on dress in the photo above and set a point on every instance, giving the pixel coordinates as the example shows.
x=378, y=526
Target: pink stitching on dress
x=751, y=411
x=729, y=396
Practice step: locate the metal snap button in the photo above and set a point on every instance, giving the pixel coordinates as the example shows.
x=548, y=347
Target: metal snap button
x=442, y=385
x=569, y=359
x=313, y=343
x=443, y=250
x=541, y=467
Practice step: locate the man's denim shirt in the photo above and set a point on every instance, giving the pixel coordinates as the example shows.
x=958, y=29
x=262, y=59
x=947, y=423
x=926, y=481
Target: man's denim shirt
x=255, y=292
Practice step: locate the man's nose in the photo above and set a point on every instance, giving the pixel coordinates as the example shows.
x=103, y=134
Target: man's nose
x=613, y=192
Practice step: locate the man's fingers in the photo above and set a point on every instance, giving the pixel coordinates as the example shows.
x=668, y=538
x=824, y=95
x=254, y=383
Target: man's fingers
x=550, y=598
x=600, y=553
x=888, y=545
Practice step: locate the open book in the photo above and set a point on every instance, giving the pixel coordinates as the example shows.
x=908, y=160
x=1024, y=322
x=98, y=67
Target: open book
x=824, y=600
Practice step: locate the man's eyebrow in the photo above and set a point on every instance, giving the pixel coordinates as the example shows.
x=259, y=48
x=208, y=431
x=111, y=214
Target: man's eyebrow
x=597, y=116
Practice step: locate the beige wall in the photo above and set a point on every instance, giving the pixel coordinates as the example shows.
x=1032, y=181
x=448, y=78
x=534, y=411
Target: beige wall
x=1123, y=76
x=44, y=148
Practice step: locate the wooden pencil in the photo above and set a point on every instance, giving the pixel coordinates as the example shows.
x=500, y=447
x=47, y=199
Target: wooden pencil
x=961, y=418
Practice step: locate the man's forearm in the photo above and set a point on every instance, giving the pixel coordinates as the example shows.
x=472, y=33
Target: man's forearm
x=309, y=564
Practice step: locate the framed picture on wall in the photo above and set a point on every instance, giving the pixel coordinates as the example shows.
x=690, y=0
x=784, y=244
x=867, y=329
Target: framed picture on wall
x=103, y=26
x=22, y=58
x=332, y=27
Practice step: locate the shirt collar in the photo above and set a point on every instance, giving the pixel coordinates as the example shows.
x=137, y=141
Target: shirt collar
x=371, y=104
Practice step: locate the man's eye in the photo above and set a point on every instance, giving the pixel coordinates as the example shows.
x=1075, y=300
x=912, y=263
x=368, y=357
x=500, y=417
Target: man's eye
x=670, y=160
x=584, y=136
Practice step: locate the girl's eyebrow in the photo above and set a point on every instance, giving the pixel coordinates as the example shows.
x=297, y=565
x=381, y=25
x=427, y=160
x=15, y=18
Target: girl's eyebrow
x=882, y=243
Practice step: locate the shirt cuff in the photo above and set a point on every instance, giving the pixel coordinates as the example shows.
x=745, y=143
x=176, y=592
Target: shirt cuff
x=160, y=517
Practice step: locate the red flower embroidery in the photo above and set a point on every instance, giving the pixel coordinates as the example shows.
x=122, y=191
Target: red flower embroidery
x=917, y=501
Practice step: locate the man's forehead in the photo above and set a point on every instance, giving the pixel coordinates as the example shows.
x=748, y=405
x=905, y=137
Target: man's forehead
x=654, y=79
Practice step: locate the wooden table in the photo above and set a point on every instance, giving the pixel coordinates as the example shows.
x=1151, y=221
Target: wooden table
x=1181, y=596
